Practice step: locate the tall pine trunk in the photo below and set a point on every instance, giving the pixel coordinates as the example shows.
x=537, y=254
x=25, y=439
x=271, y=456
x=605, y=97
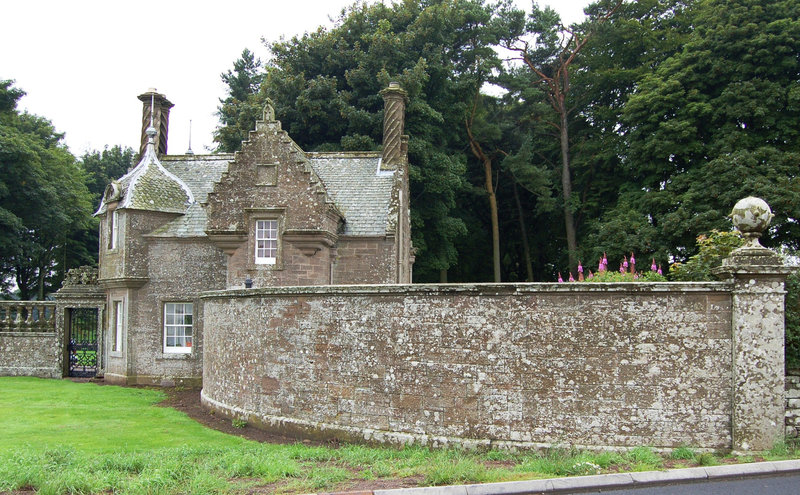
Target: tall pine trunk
x=566, y=185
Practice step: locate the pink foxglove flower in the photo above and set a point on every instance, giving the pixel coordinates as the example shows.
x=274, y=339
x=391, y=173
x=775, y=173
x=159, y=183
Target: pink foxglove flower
x=590, y=274
x=653, y=267
x=559, y=277
x=600, y=266
x=625, y=262
x=571, y=279
x=659, y=270
x=605, y=261
x=633, y=260
x=580, y=267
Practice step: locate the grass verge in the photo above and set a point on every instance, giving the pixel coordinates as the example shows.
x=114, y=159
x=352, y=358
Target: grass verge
x=64, y=437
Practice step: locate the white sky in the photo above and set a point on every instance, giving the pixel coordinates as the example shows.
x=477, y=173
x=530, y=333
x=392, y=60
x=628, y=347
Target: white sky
x=83, y=62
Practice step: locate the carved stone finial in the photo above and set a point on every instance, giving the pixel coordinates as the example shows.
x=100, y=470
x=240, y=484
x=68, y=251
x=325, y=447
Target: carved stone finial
x=84, y=275
x=751, y=216
x=269, y=111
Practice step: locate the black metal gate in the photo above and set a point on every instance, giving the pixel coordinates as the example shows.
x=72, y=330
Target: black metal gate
x=82, y=349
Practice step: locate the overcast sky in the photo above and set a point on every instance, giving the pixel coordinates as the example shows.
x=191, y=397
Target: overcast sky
x=82, y=63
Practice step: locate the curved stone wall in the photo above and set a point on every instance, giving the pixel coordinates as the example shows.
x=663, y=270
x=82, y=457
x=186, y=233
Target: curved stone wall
x=611, y=365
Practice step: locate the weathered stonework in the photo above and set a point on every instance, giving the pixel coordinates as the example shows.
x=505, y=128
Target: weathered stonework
x=175, y=226
x=527, y=365
x=758, y=359
x=792, y=418
x=29, y=342
x=79, y=290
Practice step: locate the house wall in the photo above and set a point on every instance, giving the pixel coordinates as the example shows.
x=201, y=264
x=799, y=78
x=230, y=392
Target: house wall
x=178, y=271
x=293, y=195
x=365, y=260
x=612, y=365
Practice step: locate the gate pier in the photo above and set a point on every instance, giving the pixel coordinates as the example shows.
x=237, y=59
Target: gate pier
x=80, y=313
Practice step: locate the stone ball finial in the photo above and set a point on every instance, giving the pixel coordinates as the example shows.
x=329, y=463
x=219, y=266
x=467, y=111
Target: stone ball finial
x=751, y=216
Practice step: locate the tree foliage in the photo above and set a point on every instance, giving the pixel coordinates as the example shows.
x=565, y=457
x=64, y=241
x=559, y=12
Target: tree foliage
x=237, y=112
x=44, y=203
x=675, y=110
x=325, y=87
x=717, y=122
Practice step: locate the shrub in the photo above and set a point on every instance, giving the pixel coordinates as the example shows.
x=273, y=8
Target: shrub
x=712, y=249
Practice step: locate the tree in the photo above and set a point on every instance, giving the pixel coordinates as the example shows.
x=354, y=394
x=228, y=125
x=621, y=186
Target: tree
x=44, y=203
x=237, y=112
x=325, y=90
x=716, y=122
x=551, y=60
x=102, y=167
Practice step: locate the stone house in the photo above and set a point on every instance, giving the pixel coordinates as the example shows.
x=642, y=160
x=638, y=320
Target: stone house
x=271, y=214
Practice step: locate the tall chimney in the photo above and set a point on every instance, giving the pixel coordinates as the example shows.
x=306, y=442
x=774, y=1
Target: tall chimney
x=160, y=108
x=395, y=142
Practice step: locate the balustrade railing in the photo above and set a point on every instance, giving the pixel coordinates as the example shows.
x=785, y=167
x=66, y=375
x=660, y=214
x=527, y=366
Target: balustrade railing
x=27, y=316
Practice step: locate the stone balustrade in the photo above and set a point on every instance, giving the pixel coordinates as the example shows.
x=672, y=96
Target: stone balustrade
x=27, y=316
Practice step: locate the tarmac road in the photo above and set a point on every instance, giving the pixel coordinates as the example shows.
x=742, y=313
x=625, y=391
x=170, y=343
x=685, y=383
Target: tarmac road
x=782, y=484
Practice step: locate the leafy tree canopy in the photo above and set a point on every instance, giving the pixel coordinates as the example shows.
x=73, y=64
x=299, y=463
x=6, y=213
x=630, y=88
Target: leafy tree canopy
x=44, y=203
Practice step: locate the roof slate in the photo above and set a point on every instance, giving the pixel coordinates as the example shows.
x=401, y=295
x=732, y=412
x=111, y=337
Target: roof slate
x=199, y=172
x=361, y=193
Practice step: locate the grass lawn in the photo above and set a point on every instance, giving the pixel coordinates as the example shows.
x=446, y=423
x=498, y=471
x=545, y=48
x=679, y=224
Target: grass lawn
x=57, y=436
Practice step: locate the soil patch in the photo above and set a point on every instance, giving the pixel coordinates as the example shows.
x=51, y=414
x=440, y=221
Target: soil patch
x=188, y=401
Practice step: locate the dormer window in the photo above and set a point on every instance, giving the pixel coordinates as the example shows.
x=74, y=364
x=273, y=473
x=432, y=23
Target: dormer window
x=266, y=244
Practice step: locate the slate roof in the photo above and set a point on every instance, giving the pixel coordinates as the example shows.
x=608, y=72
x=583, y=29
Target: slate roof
x=199, y=172
x=360, y=192
x=149, y=186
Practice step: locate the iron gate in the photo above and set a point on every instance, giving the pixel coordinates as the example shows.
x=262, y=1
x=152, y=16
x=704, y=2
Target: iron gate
x=82, y=342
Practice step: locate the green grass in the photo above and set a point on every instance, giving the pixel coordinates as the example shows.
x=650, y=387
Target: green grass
x=50, y=414
x=61, y=437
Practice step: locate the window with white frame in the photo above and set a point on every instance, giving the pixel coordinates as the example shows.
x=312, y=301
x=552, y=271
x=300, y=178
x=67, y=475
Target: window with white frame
x=116, y=344
x=266, y=242
x=178, y=327
x=113, y=230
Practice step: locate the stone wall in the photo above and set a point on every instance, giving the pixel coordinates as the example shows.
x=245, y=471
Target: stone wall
x=29, y=343
x=185, y=268
x=611, y=365
x=793, y=403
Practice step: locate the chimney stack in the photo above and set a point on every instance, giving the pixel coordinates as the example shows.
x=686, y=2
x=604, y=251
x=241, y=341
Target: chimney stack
x=160, y=108
x=395, y=142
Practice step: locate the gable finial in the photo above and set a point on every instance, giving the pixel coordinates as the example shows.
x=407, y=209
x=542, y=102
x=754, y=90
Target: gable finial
x=269, y=111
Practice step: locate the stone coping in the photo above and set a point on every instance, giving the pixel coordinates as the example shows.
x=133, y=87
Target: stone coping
x=483, y=289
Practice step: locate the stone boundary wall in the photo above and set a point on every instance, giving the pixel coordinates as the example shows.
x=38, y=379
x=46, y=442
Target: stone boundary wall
x=793, y=403
x=29, y=343
x=521, y=365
